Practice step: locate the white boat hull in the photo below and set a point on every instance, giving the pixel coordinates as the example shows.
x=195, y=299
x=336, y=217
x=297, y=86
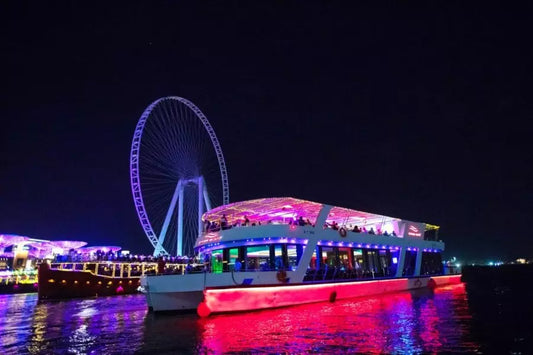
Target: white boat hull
x=163, y=294
x=185, y=292
x=175, y=301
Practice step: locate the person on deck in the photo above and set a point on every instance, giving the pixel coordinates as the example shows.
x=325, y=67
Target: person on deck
x=223, y=222
x=237, y=266
x=161, y=266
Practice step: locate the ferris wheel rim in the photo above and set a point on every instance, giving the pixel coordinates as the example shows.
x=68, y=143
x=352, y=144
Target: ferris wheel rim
x=134, y=163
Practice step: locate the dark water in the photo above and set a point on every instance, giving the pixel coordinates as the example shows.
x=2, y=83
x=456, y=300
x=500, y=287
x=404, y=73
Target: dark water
x=450, y=319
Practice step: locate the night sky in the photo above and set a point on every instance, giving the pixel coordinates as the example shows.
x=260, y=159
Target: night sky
x=417, y=110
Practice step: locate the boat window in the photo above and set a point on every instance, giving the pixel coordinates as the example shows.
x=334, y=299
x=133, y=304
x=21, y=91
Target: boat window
x=328, y=256
x=258, y=257
x=216, y=261
x=394, y=259
x=104, y=269
x=117, y=270
x=233, y=255
x=346, y=259
x=359, y=261
x=431, y=264
x=294, y=253
x=372, y=263
x=384, y=263
x=277, y=257
x=136, y=270
x=409, y=263
x=313, y=261
x=126, y=270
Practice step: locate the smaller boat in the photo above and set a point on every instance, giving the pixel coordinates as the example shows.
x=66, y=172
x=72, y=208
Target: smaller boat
x=97, y=278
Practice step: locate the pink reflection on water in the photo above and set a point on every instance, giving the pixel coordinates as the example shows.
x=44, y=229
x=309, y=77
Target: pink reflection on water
x=400, y=322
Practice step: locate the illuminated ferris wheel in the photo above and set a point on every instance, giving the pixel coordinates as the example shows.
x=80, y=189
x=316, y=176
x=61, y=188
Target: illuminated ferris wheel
x=177, y=172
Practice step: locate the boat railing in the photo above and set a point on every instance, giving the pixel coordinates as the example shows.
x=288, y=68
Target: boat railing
x=119, y=269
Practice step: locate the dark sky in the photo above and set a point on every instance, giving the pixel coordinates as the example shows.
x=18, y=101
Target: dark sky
x=418, y=110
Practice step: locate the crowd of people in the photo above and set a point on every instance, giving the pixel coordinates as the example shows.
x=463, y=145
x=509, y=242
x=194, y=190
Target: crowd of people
x=100, y=255
x=222, y=224
x=356, y=229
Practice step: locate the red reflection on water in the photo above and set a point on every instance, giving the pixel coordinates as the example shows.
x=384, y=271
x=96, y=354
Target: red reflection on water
x=400, y=322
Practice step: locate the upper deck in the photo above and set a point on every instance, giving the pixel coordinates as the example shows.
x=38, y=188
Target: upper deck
x=287, y=217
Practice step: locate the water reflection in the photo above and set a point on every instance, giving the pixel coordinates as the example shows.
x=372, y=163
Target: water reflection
x=101, y=325
x=15, y=317
x=394, y=323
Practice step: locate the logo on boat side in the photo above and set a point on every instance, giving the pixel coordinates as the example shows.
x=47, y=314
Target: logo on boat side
x=413, y=231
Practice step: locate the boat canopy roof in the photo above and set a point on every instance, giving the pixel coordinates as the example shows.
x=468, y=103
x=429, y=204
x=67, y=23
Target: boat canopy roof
x=42, y=248
x=7, y=240
x=68, y=244
x=281, y=209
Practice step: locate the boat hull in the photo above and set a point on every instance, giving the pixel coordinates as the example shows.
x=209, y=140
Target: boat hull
x=185, y=292
x=238, y=299
x=18, y=288
x=63, y=284
x=174, y=301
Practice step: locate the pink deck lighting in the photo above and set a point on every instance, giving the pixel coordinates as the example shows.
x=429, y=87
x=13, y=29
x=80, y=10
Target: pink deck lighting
x=104, y=248
x=7, y=240
x=68, y=244
x=266, y=209
x=238, y=299
x=282, y=209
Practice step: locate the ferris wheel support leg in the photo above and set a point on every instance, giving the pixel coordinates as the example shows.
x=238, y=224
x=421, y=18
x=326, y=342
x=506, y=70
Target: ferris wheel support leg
x=179, y=247
x=206, y=196
x=200, y=204
x=161, y=239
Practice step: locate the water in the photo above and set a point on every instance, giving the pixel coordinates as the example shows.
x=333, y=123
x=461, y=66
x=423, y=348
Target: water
x=449, y=319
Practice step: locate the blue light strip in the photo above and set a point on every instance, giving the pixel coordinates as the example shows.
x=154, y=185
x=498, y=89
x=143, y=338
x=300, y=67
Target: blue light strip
x=282, y=240
x=252, y=241
x=372, y=246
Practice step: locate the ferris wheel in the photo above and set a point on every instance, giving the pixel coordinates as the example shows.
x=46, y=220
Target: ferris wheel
x=177, y=172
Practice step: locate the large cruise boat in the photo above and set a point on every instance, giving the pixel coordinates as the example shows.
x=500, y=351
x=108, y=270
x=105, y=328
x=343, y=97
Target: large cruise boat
x=276, y=252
